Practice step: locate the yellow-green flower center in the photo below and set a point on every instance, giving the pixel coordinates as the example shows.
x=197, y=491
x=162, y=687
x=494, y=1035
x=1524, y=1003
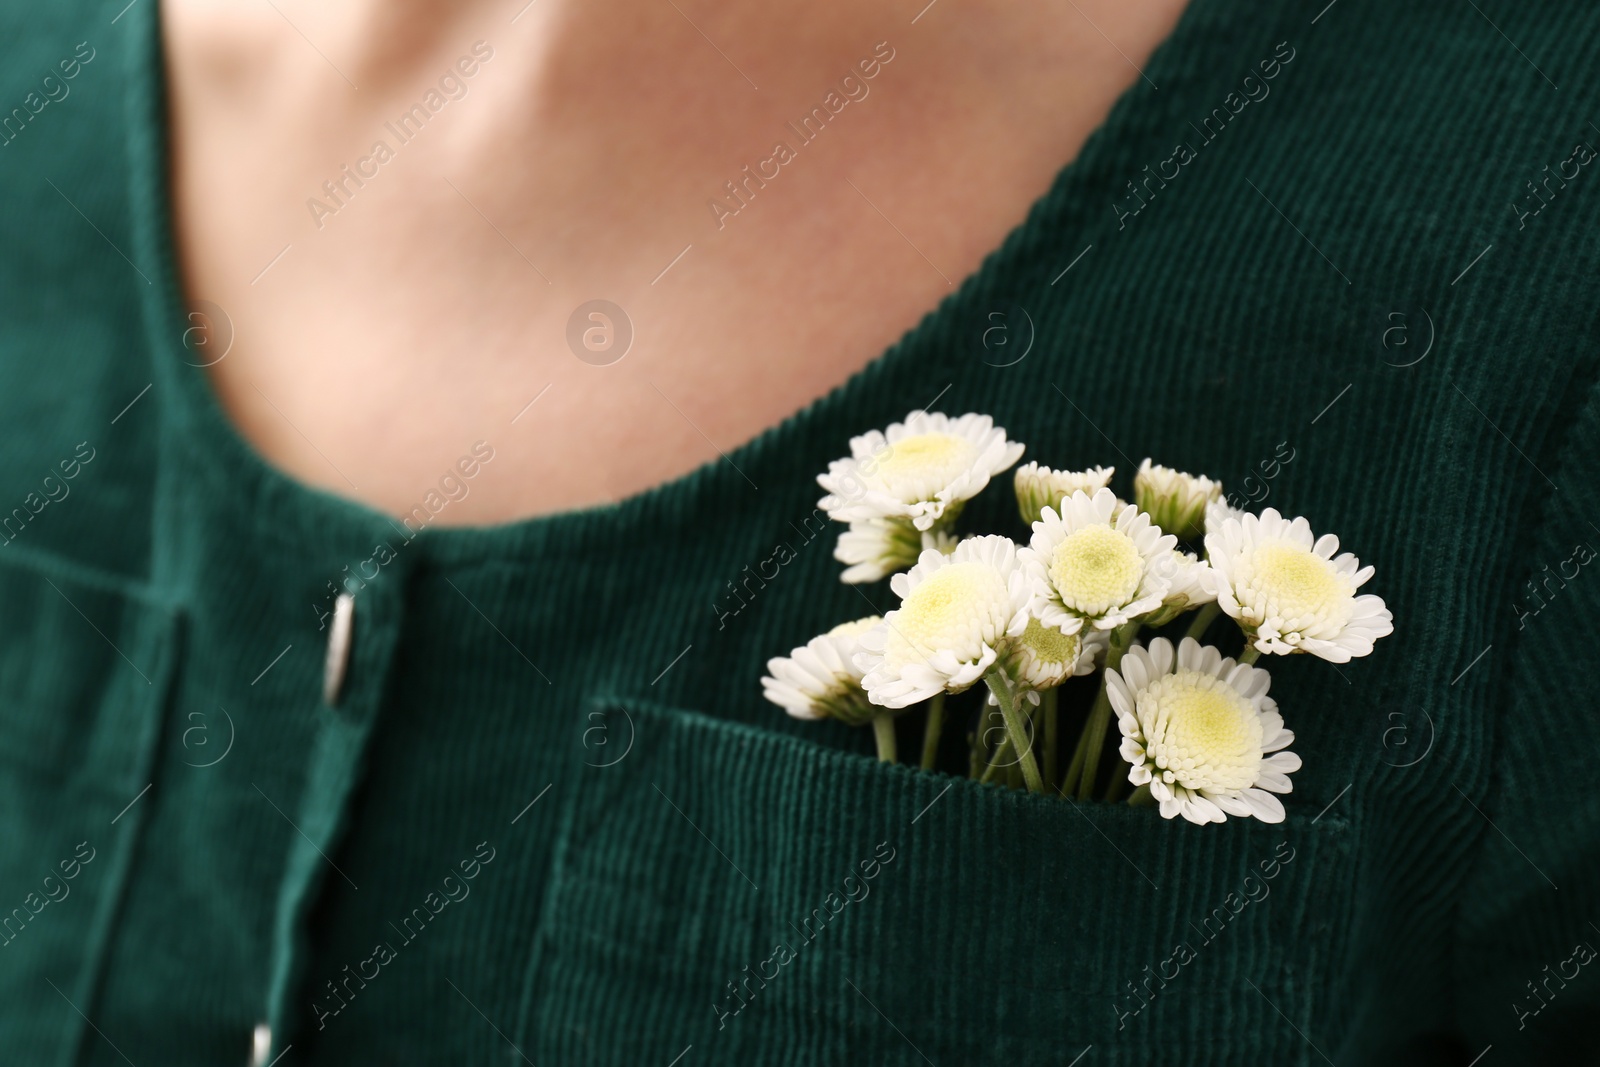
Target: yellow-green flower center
x=918, y=467
x=1297, y=586
x=1045, y=656
x=1048, y=644
x=1096, y=569
x=959, y=609
x=1200, y=732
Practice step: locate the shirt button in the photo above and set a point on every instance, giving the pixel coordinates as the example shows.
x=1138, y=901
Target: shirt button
x=344, y=610
x=260, y=1045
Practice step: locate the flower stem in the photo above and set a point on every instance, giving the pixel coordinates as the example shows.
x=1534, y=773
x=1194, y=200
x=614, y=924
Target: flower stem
x=931, y=732
x=997, y=760
x=1094, y=736
x=1250, y=654
x=979, y=757
x=1000, y=686
x=1141, y=797
x=1203, y=620
x=1075, y=768
x=883, y=732
x=1052, y=744
x=1094, y=731
x=1035, y=731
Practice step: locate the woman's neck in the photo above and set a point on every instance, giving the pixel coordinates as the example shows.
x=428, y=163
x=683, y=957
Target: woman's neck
x=772, y=194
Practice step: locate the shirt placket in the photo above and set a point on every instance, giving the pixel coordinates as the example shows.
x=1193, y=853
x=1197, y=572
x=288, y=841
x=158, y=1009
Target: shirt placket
x=363, y=634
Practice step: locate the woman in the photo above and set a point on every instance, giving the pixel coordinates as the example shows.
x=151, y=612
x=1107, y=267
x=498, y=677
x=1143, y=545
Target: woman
x=413, y=427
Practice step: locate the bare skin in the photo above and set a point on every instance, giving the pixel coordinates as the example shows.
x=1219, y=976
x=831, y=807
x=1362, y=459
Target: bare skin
x=432, y=305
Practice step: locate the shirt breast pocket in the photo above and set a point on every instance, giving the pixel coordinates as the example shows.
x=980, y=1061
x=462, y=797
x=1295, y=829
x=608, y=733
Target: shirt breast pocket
x=768, y=900
x=80, y=658
x=83, y=669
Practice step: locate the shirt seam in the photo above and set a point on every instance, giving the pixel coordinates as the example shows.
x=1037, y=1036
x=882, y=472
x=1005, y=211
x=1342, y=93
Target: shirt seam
x=1582, y=401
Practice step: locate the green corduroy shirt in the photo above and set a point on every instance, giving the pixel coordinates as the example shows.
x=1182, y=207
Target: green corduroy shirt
x=1343, y=258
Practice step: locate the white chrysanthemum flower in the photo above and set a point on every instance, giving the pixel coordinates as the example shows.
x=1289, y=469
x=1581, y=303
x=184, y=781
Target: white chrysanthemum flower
x=877, y=548
x=820, y=680
x=1039, y=487
x=1094, y=563
x=956, y=617
x=1175, y=501
x=922, y=469
x=1191, y=585
x=1290, y=593
x=1043, y=657
x=1202, y=732
x=1219, y=512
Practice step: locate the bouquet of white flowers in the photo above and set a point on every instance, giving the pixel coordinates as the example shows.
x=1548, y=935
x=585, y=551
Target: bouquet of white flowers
x=1200, y=736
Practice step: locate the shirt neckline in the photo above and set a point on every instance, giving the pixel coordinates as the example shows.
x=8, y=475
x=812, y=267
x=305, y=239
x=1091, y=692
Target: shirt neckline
x=314, y=517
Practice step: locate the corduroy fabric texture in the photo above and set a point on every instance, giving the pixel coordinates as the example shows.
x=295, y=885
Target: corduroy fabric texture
x=551, y=818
